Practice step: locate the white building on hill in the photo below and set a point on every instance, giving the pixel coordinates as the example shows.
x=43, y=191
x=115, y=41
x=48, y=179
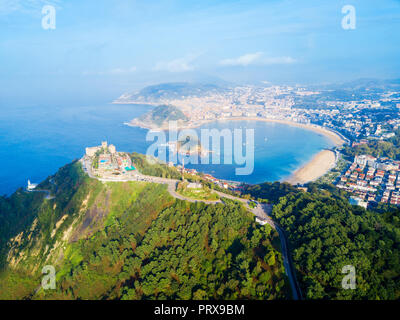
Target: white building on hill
x=31, y=186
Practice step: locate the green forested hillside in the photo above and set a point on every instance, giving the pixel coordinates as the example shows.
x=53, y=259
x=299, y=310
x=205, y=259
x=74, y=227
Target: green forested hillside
x=157, y=169
x=326, y=233
x=377, y=148
x=134, y=241
x=18, y=212
x=270, y=191
x=162, y=114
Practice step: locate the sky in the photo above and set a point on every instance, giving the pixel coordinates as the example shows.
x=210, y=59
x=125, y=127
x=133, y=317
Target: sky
x=100, y=48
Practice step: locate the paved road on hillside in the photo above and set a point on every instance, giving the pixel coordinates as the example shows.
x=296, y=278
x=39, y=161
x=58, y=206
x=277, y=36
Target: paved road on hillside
x=47, y=192
x=261, y=211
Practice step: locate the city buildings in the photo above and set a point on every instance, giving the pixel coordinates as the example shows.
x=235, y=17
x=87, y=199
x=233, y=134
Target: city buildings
x=371, y=180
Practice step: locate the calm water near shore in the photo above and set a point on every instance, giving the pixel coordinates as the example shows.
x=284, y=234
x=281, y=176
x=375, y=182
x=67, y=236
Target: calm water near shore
x=37, y=140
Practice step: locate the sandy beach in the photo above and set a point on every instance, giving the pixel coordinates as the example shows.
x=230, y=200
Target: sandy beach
x=317, y=167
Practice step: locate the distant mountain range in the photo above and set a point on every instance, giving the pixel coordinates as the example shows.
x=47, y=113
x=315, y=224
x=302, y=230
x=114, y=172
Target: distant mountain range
x=347, y=91
x=368, y=89
x=364, y=84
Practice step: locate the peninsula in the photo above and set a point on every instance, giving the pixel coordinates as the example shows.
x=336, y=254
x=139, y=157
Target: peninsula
x=159, y=118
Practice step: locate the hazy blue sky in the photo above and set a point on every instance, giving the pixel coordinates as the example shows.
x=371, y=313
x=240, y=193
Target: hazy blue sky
x=101, y=48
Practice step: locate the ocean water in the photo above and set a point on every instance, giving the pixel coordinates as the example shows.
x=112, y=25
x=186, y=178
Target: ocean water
x=37, y=140
x=279, y=150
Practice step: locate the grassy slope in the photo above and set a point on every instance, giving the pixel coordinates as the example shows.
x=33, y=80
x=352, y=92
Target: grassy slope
x=157, y=169
x=198, y=193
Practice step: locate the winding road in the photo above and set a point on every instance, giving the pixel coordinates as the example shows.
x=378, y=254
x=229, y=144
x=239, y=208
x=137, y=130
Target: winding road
x=47, y=192
x=262, y=213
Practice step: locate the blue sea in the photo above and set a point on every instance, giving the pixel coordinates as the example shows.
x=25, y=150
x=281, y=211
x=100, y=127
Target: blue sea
x=35, y=141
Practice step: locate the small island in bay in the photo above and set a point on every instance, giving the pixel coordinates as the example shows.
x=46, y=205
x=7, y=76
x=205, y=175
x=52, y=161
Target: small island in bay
x=190, y=145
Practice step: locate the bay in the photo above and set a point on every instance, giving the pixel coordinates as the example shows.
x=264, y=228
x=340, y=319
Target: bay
x=35, y=141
